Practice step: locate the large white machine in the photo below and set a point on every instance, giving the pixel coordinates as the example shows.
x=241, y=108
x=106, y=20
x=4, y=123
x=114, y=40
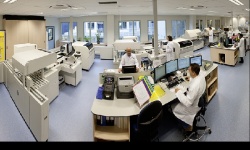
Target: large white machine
x=183, y=47
x=24, y=78
x=87, y=53
x=195, y=36
x=24, y=47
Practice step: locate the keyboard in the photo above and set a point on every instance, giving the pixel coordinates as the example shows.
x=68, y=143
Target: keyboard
x=172, y=84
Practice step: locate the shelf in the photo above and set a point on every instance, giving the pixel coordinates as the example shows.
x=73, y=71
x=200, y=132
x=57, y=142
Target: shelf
x=111, y=133
x=210, y=96
x=211, y=82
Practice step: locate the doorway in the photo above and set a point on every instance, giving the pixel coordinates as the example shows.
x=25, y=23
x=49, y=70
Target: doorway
x=51, y=37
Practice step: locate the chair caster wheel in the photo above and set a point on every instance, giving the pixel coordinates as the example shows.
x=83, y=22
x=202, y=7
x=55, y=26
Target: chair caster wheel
x=209, y=131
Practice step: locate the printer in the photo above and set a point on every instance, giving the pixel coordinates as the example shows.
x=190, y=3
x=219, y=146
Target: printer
x=125, y=87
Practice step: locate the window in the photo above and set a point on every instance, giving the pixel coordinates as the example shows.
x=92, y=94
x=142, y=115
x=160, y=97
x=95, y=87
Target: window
x=217, y=24
x=92, y=29
x=75, y=31
x=199, y=24
x=178, y=28
x=209, y=23
x=129, y=28
x=65, y=31
x=161, y=30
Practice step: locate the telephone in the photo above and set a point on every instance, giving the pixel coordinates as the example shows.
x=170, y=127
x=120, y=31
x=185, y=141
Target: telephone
x=109, y=87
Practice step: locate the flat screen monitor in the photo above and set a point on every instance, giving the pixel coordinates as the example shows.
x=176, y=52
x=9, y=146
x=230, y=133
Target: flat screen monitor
x=183, y=63
x=226, y=29
x=69, y=48
x=159, y=72
x=171, y=66
x=196, y=59
x=129, y=69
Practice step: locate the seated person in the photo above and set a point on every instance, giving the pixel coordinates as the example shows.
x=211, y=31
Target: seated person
x=187, y=107
x=128, y=59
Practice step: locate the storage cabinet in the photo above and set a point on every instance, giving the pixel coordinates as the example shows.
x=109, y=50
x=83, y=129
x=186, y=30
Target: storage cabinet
x=224, y=56
x=212, y=83
x=24, y=31
x=120, y=131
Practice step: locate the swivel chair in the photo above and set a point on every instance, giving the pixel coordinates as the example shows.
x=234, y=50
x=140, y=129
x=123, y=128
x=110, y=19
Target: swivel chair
x=148, y=121
x=199, y=131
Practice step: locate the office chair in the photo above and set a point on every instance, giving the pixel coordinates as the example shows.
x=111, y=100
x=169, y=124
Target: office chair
x=148, y=121
x=199, y=131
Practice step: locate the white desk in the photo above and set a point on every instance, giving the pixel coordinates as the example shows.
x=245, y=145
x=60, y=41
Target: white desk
x=124, y=108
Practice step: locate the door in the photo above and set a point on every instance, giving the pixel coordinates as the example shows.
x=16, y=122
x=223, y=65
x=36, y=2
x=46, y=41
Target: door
x=51, y=37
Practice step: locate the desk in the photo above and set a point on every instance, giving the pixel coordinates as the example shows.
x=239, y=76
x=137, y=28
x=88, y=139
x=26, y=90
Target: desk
x=230, y=55
x=122, y=109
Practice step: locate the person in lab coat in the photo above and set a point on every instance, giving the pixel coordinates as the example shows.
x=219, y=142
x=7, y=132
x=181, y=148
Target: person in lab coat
x=211, y=36
x=170, y=53
x=187, y=107
x=128, y=59
x=241, y=48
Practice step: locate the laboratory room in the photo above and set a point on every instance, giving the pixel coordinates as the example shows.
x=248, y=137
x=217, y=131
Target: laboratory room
x=124, y=71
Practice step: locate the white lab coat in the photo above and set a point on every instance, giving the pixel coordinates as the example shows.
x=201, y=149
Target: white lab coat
x=211, y=36
x=188, y=106
x=241, y=47
x=128, y=61
x=170, y=54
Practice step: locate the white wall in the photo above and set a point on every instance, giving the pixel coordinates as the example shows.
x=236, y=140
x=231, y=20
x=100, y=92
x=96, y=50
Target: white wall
x=54, y=22
x=1, y=22
x=192, y=22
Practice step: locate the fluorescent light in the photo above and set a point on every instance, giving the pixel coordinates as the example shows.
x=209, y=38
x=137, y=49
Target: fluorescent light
x=247, y=9
x=9, y=1
x=239, y=2
x=181, y=8
x=6, y=1
x=212, y=11
x=236, y=2
x=191, y=9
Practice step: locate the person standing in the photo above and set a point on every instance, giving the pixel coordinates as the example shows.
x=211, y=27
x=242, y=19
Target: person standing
x=211, y=36
x=170, y=52
x=241, y=48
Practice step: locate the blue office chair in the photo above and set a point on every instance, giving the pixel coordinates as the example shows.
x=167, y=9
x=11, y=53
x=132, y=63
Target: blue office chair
x=199, y=131
x=148, y=121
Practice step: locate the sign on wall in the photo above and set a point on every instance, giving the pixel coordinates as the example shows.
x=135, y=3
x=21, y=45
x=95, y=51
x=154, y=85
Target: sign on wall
x=2, y=46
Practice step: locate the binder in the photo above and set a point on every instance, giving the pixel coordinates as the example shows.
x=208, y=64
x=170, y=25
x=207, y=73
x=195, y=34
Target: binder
x=98, y=119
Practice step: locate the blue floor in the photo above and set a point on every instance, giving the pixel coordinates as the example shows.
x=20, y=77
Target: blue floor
x=70, y=117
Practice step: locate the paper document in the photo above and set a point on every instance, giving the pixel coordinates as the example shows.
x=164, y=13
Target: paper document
x=141, y=93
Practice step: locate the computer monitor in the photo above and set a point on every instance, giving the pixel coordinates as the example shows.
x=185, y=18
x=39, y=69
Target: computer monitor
x=196, y=59
x=226, y=29
x=171, y=66
x=159, y=72
x=129, y=69
x=183, y=63
x=70, y=49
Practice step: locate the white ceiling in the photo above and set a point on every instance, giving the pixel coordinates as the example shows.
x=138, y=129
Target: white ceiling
x=123, y=7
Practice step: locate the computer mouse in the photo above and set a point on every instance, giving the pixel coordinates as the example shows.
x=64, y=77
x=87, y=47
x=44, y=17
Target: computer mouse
x=151, y=80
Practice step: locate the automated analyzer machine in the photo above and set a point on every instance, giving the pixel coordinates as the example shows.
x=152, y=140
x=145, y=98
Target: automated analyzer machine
x=25, y=81
x=195, y=36
x=183, y=47
x=87, y=53
x=125, y=87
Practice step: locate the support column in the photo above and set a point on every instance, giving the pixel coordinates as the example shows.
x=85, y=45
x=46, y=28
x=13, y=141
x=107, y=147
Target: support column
x=71, y=29
x=156, y=48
